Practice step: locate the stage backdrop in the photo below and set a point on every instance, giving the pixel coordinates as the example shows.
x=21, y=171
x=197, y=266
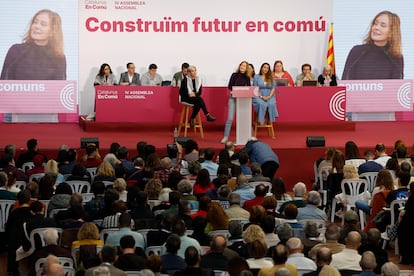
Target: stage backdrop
x=213, y=35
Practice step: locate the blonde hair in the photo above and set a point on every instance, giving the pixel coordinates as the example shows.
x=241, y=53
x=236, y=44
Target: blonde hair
x=88, y=231
x=120, y=184
x=252, y=233
x=51, y=167
x=394, y=40
x=56, y=39
x=105, y=169
x=350, y=172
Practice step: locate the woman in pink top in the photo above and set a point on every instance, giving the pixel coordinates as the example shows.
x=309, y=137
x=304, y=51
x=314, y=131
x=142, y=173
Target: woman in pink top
x=280, y=73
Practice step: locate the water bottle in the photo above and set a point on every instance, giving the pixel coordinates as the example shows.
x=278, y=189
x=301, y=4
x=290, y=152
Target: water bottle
x=175, y=134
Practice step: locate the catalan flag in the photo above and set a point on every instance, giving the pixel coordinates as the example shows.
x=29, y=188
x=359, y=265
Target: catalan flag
x=330, y=57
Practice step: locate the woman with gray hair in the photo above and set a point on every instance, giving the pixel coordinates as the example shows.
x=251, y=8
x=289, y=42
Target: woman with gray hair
x=327, y=78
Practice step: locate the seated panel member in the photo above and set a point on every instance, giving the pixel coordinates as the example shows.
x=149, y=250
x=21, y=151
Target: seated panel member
x=190, y=92
x=130, y=77
x=327, y=78
x=280, y=72
x=105, y=76
x=305, y=75
x=151, y=78
x=179, y=76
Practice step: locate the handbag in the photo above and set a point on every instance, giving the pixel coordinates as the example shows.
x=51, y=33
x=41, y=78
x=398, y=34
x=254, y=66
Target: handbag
x=382, y=219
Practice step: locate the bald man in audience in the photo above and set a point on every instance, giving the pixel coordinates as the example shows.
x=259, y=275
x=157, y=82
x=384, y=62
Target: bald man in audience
x=311, y=210
x=52, y=267
x=349, y=258
x=332, y=235
x=368, y=264
x=279, y=257
x=296, y=256
x=390, y=269
x=323, y=260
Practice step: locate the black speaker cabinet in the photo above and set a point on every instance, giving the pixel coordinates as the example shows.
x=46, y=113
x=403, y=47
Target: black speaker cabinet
x=315, y=141
x=87, y=140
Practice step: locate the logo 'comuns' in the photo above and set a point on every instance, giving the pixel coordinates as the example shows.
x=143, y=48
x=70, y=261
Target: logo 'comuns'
x=336, y=105
x=67, y=96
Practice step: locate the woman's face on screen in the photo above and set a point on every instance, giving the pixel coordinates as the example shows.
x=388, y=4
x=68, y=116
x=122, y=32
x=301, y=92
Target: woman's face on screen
x=380, y=30
x=243, y=67
x=40, y=30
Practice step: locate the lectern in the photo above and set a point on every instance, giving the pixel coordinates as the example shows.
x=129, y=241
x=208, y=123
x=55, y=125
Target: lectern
x=244, y=95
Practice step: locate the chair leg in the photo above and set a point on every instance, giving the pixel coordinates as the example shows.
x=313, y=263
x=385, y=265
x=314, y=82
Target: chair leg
x=362, y=219
x=333, y=210
x=183, y=110
x=198, y=124
x=187, y=124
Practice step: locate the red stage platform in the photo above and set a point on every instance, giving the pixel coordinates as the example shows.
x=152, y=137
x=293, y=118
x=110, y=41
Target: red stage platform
x=290, y=142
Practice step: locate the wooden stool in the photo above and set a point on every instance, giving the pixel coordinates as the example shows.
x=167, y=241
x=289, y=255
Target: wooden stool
x=185, y=120
x=268, y=124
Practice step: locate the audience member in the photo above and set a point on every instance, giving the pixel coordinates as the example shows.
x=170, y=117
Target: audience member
x=192, y=260
x=124, y=225
x=390, y=269
x=52, y=267
x=180, y=229
x=332, y=235
x=260, y=192
x=32, y=151
x=215, y=258
x=382, y=156
x=107, y=256
x=257, y=249
x=243, y=188
x=208, y=163
x=296, y=256
x=374, y=245
x=236, y=242
x=256, y=173
x=243, y=160
x=370, y=165
x=323, y=260
x=268, y=226
x=311, y=210
x=4, y=193
x=351, y=223
x=235, y=211
x=170, y=260
x=312, y=236
x=279, y=189
x=279, y=256
x=348, y=259
x=299, y=191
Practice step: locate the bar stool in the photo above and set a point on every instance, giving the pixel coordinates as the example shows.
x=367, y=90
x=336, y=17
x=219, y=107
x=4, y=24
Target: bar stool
x=185, y=120
x=268, y=125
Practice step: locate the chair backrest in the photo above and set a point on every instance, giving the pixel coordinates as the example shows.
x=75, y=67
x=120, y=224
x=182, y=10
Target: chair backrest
x=396, y=204
x=69, y=271
x=371, y=178
x=36, y=176
x=356, y=162
x=54, y=212
x=63, y=261
x=75, y=253
x=218, y=272
x=133, y=273
x=37, y=235
x=79, y=186
x=153, y=250
x=323, y=176
x=266, y=183
x=298, y=233
x=406, y=272
x=21, y=185
x=108, y=184
x=352, y=188
x=103, y=235
x=27, y=166
x=92, y=172
x=86, y=197
x=242, y=221
x=45, y=202
x=225, y=233
x=204, y=249
x=5, y=209
x=320, y=224
x=153, y=202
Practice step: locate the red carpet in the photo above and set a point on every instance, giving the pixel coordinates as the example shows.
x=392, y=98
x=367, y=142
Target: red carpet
x=295, y=158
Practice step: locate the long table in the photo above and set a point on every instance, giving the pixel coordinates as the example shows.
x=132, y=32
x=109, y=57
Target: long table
x=160, y=103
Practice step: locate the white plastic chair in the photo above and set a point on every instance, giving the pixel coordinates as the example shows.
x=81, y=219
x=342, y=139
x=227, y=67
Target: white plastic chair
x=21, y=185
x=133, y=273
x=371, y=178
x=54, y=212
x=75, y=253
x=267, y=184
x=153, y=202
x=39, y=232
x=103, y=235
x=27, y=166
x=356, y=162
x=224, y=233
x=153, y=250
x=5, y=209
x=36, y=176
x=322, y=178
x=92, y=172
x=406, y=272
x=79, y=186
x=400, y=203
x=65, y=262
x=351, y=189
x=108, y=184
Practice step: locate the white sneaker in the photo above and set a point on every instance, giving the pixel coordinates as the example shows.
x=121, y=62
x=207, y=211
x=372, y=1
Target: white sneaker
x=91, y=116
x=224, y=140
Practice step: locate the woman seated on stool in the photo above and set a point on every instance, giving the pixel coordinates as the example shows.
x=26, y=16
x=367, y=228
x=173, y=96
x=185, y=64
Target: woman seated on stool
x=266, y=99
x=190, y=92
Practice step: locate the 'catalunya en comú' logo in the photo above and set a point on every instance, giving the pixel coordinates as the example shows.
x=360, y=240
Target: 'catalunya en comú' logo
x=67, y=95
x=404, y=95
x=336, y=105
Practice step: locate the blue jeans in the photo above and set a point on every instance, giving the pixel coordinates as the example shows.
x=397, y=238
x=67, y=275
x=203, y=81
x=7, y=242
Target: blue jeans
x=363, y=205
x=230, y=115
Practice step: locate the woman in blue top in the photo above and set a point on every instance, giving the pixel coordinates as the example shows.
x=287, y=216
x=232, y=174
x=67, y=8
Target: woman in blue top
x=266, y=99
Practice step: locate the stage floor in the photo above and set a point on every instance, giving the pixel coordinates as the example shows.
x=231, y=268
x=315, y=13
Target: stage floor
x=296, y=160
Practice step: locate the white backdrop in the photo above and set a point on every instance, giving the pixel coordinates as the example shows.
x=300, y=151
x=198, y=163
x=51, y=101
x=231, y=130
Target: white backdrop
x=216, y=54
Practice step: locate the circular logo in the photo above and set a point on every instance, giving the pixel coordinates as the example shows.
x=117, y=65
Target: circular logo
x=336, y=105
x=67, y=97
x=405, y=95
